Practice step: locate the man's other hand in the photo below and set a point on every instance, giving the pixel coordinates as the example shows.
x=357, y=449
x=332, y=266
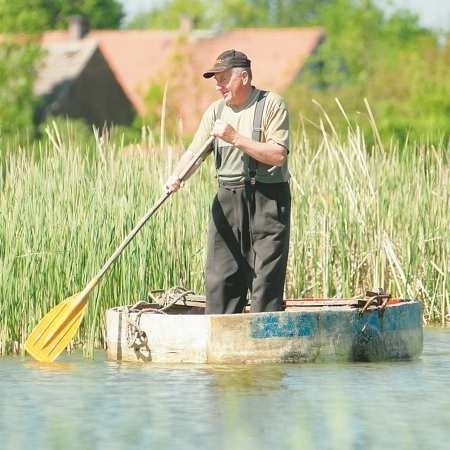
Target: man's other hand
x=173, y=183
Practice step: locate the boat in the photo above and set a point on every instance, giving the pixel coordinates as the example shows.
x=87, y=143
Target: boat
x=374, y=328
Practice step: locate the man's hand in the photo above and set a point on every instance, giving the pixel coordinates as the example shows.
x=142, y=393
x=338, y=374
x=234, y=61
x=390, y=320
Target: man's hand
x=225, y=131
x=173, y=183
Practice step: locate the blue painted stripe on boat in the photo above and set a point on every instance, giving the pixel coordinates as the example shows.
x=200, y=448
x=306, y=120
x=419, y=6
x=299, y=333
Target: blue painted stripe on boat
x=310, y=323
x=405, y=317
x=402, y=317
x=286, y=325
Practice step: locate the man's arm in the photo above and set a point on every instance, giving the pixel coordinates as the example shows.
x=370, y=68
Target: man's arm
x=202, y=142
x=269, y=153
x=174, y=181
x=188, y=164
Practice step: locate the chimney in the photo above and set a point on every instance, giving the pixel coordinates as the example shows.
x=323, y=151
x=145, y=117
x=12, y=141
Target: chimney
x=78, y=27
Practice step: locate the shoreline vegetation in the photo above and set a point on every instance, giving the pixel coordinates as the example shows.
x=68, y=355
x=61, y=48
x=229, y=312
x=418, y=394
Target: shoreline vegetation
x=363, y=216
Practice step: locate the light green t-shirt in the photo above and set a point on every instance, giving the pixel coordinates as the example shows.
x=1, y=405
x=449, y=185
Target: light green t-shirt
x=234, y=162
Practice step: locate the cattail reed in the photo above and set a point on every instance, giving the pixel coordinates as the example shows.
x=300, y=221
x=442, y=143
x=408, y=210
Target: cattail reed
x=363, y=216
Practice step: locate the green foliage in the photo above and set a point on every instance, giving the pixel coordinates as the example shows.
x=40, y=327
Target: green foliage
x=101, y=13
x=153, y=101
x=169, y=14
x=230, y=13
x=267, y=13
x=23, y=15
x=238, y=13
x=392, y=61
x=358, y=36
x=160, y=113
x=31, y=16
x=17, y=71
x=411, y=94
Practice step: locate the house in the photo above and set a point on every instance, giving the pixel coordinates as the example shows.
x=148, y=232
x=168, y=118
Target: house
x=105, y=75
x=76, y=81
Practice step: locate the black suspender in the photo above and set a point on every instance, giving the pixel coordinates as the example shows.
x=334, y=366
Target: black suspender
x=256, y=134
x=217, y=155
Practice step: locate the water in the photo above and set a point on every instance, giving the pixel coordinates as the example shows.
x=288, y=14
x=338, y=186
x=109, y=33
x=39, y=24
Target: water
x=95, y=404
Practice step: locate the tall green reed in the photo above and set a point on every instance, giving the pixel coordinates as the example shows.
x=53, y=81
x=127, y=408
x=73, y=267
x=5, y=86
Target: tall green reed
x=361, y=218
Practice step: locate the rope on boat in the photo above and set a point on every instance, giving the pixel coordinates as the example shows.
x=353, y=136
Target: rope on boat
x=136, y=337
x=170, y=297
x=380, y=298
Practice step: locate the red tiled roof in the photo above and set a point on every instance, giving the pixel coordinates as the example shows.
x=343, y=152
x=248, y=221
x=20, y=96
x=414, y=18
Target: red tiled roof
x=139, y=57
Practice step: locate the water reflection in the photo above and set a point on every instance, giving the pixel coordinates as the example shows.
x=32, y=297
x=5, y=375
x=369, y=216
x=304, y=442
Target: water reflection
x=246, y=379
x=55, y=368
x=241, y=378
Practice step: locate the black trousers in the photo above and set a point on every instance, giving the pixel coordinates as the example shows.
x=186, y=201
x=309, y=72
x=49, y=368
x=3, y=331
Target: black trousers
x=248, y=245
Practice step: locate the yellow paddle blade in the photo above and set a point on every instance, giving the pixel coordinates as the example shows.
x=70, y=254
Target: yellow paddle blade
x=56, y=329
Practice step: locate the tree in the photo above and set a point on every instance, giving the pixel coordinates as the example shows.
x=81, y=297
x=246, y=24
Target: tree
x=392, y=61
x=31, y=16
x=102, y=13
x=267, y=13
x=231, y=13
x=168, y=15
x=17, y=72
x=23, y=16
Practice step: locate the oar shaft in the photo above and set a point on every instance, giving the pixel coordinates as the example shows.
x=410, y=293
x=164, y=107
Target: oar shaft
x=92, y=283
x=122, y=246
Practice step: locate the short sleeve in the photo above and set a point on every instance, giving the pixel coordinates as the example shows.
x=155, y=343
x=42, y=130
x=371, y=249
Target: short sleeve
x=276, y=121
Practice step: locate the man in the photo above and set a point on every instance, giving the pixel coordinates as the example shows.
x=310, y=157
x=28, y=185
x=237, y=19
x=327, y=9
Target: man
x=248, y=236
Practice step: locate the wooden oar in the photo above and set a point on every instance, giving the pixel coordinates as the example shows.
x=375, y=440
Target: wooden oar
x=58, y=327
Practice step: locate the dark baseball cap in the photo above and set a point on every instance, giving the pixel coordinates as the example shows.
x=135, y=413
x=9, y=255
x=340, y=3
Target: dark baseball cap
x=227, y=60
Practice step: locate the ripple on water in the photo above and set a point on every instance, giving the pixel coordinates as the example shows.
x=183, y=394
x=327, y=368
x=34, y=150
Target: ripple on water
x=83, y=404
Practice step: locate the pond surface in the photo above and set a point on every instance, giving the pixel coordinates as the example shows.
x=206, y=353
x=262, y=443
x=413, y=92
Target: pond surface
x=95, y=404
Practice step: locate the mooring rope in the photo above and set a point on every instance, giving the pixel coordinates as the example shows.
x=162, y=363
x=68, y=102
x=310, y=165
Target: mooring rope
x=168, y=298
x=136, y=337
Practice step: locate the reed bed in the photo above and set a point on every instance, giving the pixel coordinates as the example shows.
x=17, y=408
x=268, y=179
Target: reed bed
x=363, y=217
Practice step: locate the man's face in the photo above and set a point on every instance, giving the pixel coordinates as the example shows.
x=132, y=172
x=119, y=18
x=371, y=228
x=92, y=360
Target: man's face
x=231, y=84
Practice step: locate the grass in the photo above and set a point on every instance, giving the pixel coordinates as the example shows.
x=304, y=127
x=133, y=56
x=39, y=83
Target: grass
x=363, y=217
